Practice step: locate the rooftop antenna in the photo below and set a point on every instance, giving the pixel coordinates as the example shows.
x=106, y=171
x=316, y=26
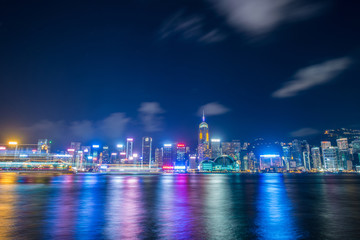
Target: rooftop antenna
x=203, y=117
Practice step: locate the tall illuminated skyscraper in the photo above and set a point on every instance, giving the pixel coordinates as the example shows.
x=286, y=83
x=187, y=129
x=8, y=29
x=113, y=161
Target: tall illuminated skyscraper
x=215, y=148
x=146, y=151
x=129, y=147
x=203, y=140
x=316, y=157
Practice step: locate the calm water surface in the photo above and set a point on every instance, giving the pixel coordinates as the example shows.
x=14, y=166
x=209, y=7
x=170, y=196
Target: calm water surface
x=96, y=206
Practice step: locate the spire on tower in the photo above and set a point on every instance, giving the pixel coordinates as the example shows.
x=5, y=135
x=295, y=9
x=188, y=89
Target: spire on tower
x=203, y=117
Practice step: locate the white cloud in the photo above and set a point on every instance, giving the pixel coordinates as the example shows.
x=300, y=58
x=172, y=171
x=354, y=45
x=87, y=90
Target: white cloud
x=189, y=27
x=312, y=76
x=304, y=132
x=151, y=116
x=212, y=109
x=257, y=17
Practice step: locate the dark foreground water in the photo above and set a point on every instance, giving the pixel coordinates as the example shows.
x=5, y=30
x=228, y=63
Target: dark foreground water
x=95, y=206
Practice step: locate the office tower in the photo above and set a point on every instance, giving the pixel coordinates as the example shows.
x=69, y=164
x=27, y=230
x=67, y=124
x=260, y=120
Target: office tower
x=192, y=162
x=355, y=145
x=331, y=157
x=146, y=151
x=215, y=148
x=129, y=147
x=43, y=146
x=226, y=148
x=159, y=157
x=180, y=154
x=305, y=149
x=296, y=153
x=342, y=143
x=286, y=156
x=325, y=145
x=168, y=160
x=203, y=140
x=105, y=155
x=316, y=158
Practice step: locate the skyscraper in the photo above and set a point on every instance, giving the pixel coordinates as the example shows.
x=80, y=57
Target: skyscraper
x=342, y=143
x=203, y=140
x=146, y=151
x=331, y=158
x=168, y=160
x=316, y=158
x=180, y=154
x=129, y=147
x=215, y=148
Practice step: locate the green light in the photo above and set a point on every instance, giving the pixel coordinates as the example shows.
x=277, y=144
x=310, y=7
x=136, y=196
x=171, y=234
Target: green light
x=50, y=141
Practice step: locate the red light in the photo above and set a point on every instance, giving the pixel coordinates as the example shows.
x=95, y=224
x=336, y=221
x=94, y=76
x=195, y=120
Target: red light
x=2, y=148
x=168, y=167
x=181, y=145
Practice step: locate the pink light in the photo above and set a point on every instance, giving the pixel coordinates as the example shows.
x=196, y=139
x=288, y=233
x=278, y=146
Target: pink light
x=2, y=148
x=181, y=145
x=71, y=150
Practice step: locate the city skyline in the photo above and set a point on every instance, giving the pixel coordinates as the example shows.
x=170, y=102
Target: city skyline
x=69, y=73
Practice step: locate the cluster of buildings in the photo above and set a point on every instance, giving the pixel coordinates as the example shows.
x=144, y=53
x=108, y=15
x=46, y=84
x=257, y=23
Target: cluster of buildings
x=339, y=150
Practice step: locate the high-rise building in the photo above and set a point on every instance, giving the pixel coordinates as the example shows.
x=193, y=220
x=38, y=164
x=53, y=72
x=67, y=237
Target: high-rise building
x=129, y=147
x=180, y=154
x=168, y=158
x=331, y=158
x=192, y=162
x=203, y=140
x=296, y=153
x=215, y=148
x=159, y=157
x=316, y=158
x=342, y=143
x=286, y=156
x=226, y=148
x=146, y=151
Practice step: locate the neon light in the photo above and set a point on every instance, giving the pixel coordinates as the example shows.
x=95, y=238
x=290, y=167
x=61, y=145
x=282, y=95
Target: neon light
x=23, y=155
x=113, y=154
x=86, y=150
x=103, y=167
x=95, y=146
x=180, y=168
x=135, y=155
x=269, y=156
x=90, y=157
x=119, y=146
x=168, y=167
x=215, y=140
x=71, y=150
x=122, y=153
x=167, y=145
x=181, y=145
x=129, y=139
x=2, y=148
x=13, y=143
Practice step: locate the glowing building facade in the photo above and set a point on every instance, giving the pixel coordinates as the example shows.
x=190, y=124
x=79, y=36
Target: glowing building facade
x=203, y=141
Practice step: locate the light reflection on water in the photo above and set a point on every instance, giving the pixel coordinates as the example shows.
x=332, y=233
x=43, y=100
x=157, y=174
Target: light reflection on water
x=96, y=206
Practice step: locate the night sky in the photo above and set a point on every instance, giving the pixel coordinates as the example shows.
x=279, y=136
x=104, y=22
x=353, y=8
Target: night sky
x=101, y=71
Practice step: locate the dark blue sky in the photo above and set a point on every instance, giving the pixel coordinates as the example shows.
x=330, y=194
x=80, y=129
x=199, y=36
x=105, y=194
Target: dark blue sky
x=106, y=70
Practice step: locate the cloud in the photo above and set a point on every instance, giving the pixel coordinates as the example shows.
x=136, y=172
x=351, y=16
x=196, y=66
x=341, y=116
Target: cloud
x=189, y=27
x=109, y=128
x=304, y=132
x=312, y=76
x=212, y=109
x=151, y=116
x=258, y=17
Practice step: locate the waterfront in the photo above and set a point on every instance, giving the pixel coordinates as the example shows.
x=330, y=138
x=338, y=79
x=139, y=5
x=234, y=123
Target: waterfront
x=247, y=206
